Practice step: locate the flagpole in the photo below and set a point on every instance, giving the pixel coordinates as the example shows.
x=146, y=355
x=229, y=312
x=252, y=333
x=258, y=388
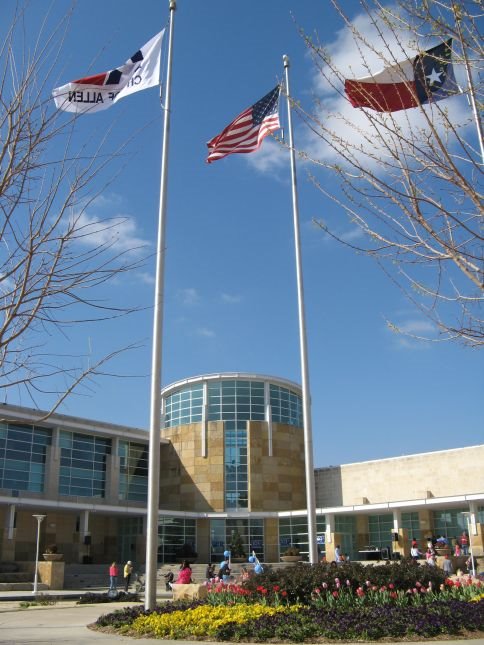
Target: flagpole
x=306, y=397
x=470, y=83
x=156, y=361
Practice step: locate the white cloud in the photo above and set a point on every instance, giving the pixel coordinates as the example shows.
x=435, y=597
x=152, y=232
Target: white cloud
x=205, y=332
x=351, y=127
x=231, y=299
x=101, y=223
x=413, y=333
x=147, y=278
x=189, y=296
x=270, y=157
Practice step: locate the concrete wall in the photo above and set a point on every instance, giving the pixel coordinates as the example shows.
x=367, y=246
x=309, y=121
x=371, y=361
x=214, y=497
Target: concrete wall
x=436, y=474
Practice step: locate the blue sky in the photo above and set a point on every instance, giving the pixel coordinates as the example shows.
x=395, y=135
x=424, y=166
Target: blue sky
x=230, y=286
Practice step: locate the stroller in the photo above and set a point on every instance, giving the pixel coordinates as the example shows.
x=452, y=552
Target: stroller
x=139, y=583
x=169, y=577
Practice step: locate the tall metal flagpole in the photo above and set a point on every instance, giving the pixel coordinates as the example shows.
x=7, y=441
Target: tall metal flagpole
x=470, y=83
x=308, y=435
x=155, y=415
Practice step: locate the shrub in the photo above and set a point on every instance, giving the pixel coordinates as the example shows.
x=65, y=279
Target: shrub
x=90, y=598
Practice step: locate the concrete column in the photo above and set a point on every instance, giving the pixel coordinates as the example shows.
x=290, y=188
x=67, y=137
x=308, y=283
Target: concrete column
x=271, y=539
x=84, y=549
x=52, y=466
x=7, y=546
x=473, y=517
x=268, y=415
x=204, y=452
x=10, y=524
x=112, y=473
x=329, y=528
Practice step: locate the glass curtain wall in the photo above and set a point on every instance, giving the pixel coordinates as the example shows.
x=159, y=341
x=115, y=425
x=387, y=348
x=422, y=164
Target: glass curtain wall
x=410, y=521
x=449, y=523
x=129, y=528
x=173, y=534
x=133, y=477
x=83, y=464
x=235, y=403
x=23, y=450
x=380, y=529
x=293, y=531
x=251, y=532
x=345, y=525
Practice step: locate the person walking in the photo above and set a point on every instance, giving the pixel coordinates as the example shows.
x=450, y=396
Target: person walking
x=415, y=553
x=447, y=566
x=128, y=570
x=113, y=575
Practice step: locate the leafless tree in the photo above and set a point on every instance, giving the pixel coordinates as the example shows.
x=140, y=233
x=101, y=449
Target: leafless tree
x=409, y=180
x=51, y=276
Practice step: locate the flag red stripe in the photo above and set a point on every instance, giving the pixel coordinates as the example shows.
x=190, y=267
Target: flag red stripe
x=97, y=79
x=383, y=97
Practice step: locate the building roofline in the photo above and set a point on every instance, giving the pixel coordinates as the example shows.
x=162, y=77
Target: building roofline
x=15, y=413
x=397, y=458
x=247, y=376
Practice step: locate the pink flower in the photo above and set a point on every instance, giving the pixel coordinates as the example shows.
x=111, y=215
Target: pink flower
x=417, y=584
x=348, y=583
x=391, y=585
x=276, y=588
x=338, y=585
x=317, y=590
x=360, y=592
x=383, y=588
x=284, y=593
x=368, y=583
x=374, y=588
x=325, y=585
x=335, y=594
x=393, y=594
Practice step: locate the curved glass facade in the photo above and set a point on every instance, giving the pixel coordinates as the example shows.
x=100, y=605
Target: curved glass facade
x=228, y=399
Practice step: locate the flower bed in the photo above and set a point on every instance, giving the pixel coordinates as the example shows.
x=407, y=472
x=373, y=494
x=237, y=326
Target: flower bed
x=319, y=605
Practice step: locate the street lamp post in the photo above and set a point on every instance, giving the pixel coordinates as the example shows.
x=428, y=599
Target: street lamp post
x=467, y=516
x=39, y=519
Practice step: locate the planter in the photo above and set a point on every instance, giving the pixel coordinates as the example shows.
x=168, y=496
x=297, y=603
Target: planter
x=290, y=558
x=442, y=550
x=238, y=560
x=52, y=557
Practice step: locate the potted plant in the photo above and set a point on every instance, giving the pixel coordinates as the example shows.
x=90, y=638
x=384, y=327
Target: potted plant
x=51, y=553
x=236, y=547
x=291, y=554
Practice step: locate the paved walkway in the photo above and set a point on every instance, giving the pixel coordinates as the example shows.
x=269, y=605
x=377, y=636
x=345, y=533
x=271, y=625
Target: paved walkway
x=66, y=622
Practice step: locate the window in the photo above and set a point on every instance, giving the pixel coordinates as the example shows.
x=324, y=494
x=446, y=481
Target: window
x=133, y=467
x=286, y=406
x=184, y=406
x=293, y=531
x=23, y=451
x=380, y=529
x=83, y=464
x=173, y=533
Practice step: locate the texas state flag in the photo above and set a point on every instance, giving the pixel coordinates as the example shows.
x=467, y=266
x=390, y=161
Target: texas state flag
x=427, y=78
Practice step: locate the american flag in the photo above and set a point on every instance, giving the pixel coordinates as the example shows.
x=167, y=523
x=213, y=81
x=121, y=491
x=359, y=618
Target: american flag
x=246, y=132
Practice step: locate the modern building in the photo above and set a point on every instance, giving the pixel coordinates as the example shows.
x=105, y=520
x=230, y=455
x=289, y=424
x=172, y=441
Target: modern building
x=231, y=466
